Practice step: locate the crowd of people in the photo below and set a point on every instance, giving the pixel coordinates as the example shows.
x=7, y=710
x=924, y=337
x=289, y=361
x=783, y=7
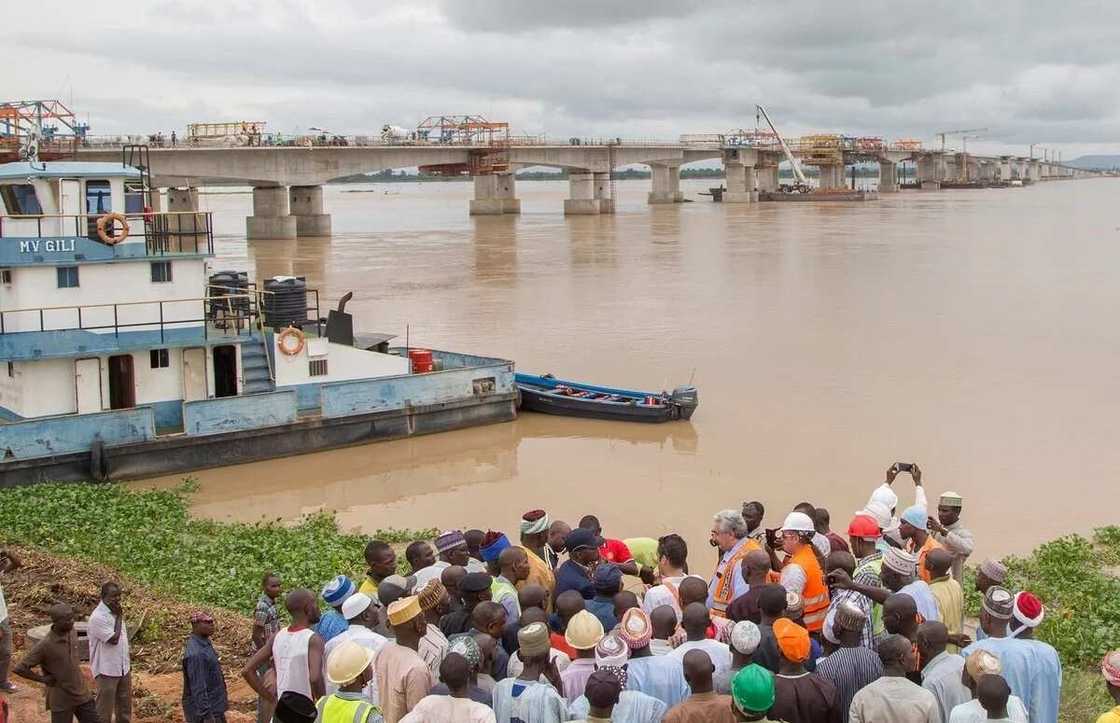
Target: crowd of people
x=797, y=623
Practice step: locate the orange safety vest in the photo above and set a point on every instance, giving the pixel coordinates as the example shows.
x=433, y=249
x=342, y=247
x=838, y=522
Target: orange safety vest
x=815, y=597
x=725, y=574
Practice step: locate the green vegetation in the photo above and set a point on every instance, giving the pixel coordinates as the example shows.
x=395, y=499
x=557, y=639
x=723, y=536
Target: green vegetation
x=150, y=537
x=1076, y=579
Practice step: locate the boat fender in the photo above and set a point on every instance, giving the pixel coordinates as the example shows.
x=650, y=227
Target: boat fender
x=98, y=463
x=104, y=224
x=290, y=341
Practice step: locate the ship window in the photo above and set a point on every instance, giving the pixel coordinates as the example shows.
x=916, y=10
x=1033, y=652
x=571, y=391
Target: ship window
x=20, y=199
x=317, y=367
x=98, y=197
x=133, y=198
x=67, y=277
x=5, y=276
x=160, y=359
x=161, y=272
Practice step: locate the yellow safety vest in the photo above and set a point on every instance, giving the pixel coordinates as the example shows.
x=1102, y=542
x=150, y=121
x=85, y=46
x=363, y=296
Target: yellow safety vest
x=333, y=709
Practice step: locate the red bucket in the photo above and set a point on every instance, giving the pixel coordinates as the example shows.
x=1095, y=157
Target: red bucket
x=421, y=360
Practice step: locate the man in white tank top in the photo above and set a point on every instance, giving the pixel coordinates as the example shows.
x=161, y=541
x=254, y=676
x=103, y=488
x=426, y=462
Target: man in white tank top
x=295, y=652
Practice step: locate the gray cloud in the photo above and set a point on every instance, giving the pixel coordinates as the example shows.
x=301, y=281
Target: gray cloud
x=1038, y=72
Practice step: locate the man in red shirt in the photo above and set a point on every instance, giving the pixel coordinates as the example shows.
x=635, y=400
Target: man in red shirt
x=611, y=550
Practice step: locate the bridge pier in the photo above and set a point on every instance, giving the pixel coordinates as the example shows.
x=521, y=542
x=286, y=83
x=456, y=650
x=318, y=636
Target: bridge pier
x=741, y=182
x=768, y=179
x=831, y=177
x=582, y=201
x=888, y=176
x=494, y=195
x=602, y=183
x=929, y=172
x=270, y=219
x=306, y=204
x=666, y=184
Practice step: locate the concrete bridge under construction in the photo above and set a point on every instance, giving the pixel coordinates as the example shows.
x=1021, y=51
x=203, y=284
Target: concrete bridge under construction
x=288, y=180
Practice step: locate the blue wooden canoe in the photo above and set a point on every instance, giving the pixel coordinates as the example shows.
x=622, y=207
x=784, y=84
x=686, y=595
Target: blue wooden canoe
x=550, y=395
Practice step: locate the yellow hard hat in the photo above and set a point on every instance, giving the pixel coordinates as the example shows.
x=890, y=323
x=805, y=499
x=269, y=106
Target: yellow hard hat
x=347, y=662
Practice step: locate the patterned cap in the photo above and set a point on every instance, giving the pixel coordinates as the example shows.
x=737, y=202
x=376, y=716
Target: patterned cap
x=850, y=617
x=794, y=603
x=950, y=499
x=994, y=570
x=745, y=637
x=1110, y=668
x=337, y=590
x=466, y=646
x=201, y=616
x=533, y=640
x=432, y=594
x=584, y=631
x=403, y=610
x=448, y=541
x=982, y=662
x=901, y=562
x=998, y=603
x=492, y=545
x=611, y=650
x=635, y=628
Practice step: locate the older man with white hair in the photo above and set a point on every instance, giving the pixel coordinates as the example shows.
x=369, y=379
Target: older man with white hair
x=730, y=535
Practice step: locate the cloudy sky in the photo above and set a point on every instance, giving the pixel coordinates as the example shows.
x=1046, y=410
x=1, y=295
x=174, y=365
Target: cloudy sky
x=1038, y=71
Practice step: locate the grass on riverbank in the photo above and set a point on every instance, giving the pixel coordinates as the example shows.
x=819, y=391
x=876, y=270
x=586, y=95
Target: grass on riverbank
x=150, y=537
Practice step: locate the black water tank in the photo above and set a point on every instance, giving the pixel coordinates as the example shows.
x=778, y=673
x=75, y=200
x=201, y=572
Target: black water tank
x=228, y=283
x=286, y=305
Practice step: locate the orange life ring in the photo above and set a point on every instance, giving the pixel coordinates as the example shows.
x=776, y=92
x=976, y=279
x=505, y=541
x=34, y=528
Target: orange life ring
x=290, y=349
x=103, y=222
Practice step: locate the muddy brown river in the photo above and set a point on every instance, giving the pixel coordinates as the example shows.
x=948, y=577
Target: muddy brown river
x=974, y=332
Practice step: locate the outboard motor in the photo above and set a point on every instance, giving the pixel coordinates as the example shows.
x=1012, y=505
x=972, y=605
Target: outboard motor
x=685, y=400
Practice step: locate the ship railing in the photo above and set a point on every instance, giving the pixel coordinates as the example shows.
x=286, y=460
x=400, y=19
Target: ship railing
x=168, y=232
x=164, y=315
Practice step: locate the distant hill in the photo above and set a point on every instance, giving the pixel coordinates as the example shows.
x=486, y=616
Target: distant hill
x=1100, y=162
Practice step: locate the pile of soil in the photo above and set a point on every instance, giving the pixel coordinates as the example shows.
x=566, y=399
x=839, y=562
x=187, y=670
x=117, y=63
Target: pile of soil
x=156, y=647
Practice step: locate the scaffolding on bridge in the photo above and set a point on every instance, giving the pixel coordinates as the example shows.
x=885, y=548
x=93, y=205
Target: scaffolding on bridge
x=47, y=124
x=489, y=141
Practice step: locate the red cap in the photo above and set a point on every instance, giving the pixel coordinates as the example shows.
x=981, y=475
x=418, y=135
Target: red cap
x=1029, y=608
x=864, y=526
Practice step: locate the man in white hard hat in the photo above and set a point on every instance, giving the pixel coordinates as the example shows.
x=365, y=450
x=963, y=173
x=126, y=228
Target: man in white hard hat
x=802, y=572
x=362, y=615
x=350, y=667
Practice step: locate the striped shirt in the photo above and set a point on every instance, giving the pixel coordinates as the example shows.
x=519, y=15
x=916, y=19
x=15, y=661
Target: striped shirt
x=866, y=573
x=850, y=669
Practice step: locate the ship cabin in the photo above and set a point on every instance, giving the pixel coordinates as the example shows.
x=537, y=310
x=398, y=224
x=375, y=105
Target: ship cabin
x=102, y=301
x=122, y=354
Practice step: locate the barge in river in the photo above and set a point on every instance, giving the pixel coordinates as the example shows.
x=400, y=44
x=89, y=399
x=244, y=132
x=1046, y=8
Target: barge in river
x=123, y=356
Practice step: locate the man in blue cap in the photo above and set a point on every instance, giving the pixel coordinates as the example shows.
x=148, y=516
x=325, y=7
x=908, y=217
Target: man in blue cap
x=607, y=581
x=583, y=556
x=333, y=622
x=914, y=528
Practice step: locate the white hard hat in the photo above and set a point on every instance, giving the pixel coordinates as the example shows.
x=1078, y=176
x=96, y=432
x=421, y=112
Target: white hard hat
x=355, y=605
x=798, y=522
x=347, y=662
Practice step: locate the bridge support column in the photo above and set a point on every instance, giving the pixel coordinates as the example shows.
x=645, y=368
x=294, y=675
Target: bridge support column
x=929, y=172
x=495, y=194
x=1035, y=170
x=768, y=179
x=582, y=192
x=888, y=176
x=666, y=184
x=602, y=183
x=270, y=219
x=831, y=177
x=306, y=203
x=739, y=175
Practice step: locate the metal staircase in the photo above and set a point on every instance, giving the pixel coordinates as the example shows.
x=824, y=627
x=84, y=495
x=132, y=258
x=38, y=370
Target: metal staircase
x=256, y=373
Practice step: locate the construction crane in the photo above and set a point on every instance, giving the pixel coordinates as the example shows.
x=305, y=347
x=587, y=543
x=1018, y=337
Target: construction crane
x=801, y=180
x=964, y=132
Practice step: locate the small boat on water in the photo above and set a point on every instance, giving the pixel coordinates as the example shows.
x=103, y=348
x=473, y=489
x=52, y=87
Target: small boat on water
x=550, y=395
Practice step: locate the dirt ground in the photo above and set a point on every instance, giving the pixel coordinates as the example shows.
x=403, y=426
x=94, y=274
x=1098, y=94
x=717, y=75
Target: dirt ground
x=156, y=647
